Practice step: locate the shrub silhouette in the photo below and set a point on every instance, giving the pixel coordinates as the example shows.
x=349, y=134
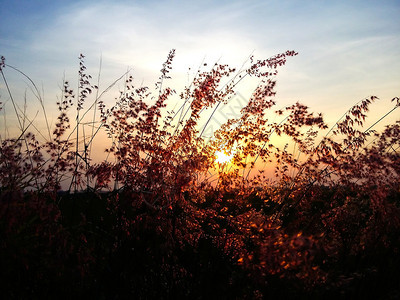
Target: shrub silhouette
x=164, y=220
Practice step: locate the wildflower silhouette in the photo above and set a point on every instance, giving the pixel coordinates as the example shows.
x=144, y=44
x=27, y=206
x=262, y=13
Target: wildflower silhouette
x=173, y=215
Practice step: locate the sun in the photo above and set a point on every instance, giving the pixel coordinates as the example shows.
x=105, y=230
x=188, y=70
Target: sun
x=223, y=157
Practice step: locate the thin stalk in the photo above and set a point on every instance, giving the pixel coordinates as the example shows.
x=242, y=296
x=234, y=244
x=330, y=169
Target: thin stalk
x=388, y=113
x=12, y=99
x=96, y=101
x=77, y=138
x=38, y=96
x=21, y=123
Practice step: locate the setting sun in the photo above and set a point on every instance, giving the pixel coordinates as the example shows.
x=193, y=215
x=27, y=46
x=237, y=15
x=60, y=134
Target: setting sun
x=223, y=157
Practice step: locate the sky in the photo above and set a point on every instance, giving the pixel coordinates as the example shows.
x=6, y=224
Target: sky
x=348, y=50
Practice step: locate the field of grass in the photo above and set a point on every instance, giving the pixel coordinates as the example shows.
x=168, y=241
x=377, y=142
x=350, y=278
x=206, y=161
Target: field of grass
x=162, y=217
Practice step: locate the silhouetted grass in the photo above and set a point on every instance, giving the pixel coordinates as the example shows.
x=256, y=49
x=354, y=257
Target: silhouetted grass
x=162, y=219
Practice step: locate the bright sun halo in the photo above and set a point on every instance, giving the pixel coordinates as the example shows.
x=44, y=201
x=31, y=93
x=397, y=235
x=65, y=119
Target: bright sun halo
x=223, y=157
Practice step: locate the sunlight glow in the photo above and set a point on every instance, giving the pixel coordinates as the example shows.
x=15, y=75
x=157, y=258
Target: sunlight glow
x=223, y=157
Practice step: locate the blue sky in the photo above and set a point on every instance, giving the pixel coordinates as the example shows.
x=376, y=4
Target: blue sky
x=348, y=50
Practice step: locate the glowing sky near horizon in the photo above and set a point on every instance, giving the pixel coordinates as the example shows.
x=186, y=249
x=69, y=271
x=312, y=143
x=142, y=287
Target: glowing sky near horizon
x=348, y=50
